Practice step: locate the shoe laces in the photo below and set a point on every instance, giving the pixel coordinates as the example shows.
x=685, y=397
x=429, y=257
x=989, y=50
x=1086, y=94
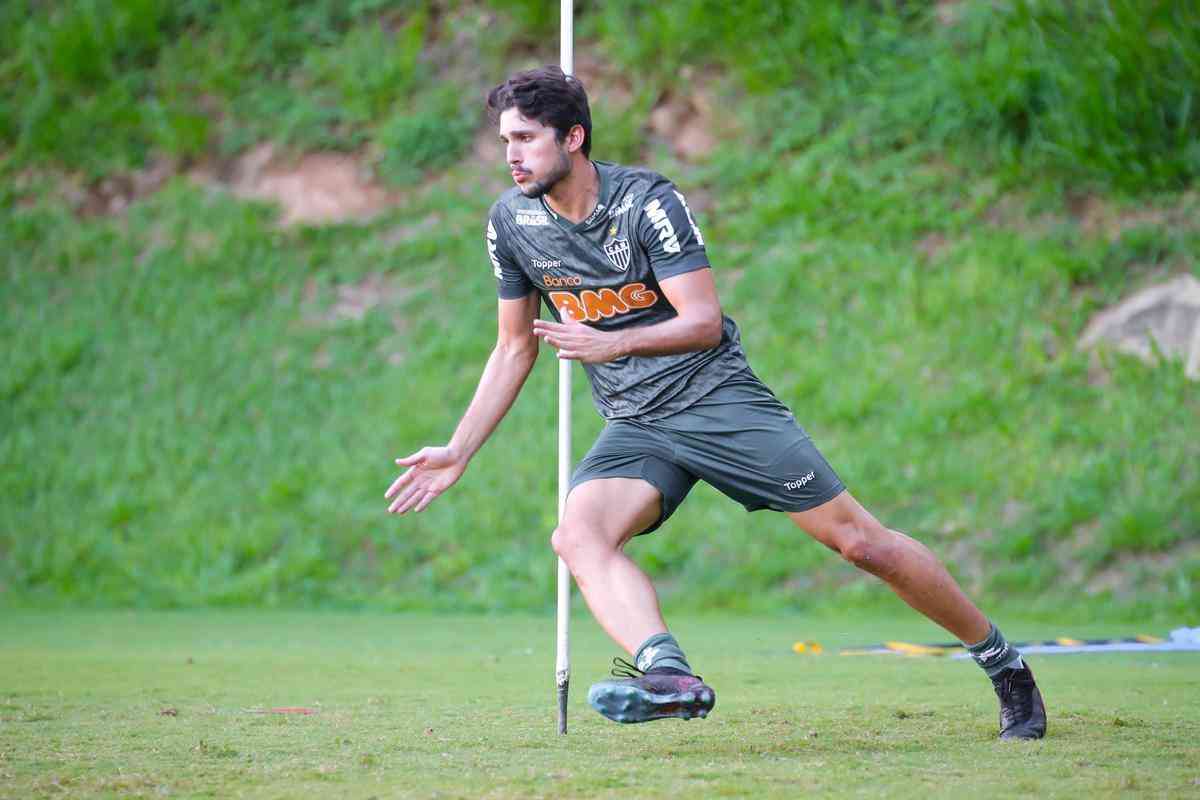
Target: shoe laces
x=623, y=669
x=1016, y=695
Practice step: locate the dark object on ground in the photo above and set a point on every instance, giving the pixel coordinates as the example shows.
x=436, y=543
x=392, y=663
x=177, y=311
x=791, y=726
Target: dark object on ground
x=1022, y=712
x=644, y=696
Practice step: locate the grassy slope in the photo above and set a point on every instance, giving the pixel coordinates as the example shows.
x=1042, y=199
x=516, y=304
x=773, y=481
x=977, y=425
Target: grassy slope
x=183, y=423
x=414, y=706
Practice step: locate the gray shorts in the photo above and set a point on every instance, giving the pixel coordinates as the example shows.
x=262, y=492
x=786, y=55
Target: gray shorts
x=738, y=438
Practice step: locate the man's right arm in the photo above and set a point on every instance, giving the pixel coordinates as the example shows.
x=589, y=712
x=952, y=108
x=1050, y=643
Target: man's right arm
x=507, y=368
x=432, y=470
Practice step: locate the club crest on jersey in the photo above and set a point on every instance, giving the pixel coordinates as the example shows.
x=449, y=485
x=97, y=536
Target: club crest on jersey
x=619, y=253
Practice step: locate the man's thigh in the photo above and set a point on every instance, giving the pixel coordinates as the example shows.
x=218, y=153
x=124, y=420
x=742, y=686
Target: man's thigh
x=613, y=509
x=745, y=443
x=636, y=452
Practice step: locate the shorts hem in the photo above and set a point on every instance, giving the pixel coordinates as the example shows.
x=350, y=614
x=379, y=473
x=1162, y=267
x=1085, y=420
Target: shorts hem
x=640, y=474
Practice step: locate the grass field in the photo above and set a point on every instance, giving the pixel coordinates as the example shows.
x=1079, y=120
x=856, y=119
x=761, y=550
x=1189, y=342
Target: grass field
x=463, y=706
x=910, y=234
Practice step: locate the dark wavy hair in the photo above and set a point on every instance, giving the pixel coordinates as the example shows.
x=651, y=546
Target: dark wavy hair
x=547, y=95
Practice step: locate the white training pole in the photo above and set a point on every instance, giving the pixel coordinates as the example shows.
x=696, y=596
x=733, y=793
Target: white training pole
x=562, y=663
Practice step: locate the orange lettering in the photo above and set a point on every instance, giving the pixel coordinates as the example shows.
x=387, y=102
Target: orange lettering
x=593, y=306
x=605, y=303
x=568, y=305
x=636, y=295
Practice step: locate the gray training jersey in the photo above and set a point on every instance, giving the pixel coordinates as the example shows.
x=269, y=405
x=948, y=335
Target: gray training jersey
x=605, y=272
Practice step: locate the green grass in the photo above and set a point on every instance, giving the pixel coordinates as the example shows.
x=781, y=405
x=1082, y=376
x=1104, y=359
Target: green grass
x=186, y=420
x=421, y=706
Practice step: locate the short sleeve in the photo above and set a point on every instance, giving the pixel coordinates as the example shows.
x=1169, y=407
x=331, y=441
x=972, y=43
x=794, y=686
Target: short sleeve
x=511, y=282
x=669, y=234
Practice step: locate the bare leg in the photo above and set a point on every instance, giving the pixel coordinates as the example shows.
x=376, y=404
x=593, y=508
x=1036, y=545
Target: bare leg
x=600, y=517
x=907, y=566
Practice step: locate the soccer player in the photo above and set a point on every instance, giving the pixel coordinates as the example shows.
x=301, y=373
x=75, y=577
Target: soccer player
x=618, y=258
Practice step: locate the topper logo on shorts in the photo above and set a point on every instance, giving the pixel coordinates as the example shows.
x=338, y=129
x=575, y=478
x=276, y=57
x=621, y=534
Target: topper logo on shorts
x=800, y=483
x=593, y=306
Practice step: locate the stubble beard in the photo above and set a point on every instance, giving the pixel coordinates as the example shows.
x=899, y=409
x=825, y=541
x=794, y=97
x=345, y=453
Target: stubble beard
x=560, y=170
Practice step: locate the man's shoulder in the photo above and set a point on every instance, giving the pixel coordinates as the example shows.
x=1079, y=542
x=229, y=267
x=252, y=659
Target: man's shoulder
x=637, y=178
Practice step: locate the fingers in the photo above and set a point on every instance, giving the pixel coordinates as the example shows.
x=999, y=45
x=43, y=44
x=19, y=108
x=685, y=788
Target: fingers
x=408, y=498
x=544, y=326
x=429, y=497
x=398, y=484
x=413, y=460
x=405, y=478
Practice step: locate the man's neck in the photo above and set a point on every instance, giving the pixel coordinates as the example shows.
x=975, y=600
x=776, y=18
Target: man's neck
x=575, y=196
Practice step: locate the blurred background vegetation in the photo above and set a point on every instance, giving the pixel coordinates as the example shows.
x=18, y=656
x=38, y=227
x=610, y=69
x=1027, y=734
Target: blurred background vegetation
x=913, y=208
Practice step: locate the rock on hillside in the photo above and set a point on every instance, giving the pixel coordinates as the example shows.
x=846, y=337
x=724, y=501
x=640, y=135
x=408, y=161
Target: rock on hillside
x=1163, y=319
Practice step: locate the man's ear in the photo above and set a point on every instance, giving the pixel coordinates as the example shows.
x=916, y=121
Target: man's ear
x=575, y=138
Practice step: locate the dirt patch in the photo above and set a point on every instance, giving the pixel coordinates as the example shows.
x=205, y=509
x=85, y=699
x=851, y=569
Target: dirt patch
x=686, y=121
x=311, y=189
x=1132, y=572
x=685, y=117
x=1095, y=216
x=1070, y=553
x=948, y=12
x=353, y=301
x=114, y=194
x=931, y=245
x=488, y=153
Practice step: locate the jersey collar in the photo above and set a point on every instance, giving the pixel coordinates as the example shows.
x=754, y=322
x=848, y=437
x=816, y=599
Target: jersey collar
x=598, y=213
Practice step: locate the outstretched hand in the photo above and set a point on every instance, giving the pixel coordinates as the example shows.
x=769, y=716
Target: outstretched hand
x=578, y=342
x=431, y=471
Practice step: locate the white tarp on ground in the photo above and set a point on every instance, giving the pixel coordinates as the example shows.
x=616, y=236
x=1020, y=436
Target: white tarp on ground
x=1180, y=639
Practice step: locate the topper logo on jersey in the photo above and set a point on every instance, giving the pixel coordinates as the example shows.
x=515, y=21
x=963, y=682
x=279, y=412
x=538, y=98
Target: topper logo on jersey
x=662, y=224
x=619, y=253
x=546, y=263
x=593, y=306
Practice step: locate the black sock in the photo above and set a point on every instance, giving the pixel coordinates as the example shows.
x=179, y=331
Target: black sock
x=994, y=654
x=661, y=652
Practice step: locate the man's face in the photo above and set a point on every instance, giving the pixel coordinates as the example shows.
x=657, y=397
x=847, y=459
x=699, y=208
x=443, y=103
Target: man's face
x=535, y=157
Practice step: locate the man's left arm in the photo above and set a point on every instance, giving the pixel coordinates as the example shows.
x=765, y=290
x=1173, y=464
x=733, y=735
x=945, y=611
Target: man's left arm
x=697, y=326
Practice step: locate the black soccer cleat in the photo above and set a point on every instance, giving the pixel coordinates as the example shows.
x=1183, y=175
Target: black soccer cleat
x=643, y=696
x=1022, y=713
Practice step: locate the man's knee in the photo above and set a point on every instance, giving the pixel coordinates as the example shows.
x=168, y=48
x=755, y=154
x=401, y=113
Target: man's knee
x=572, y=537
x=867, y=545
